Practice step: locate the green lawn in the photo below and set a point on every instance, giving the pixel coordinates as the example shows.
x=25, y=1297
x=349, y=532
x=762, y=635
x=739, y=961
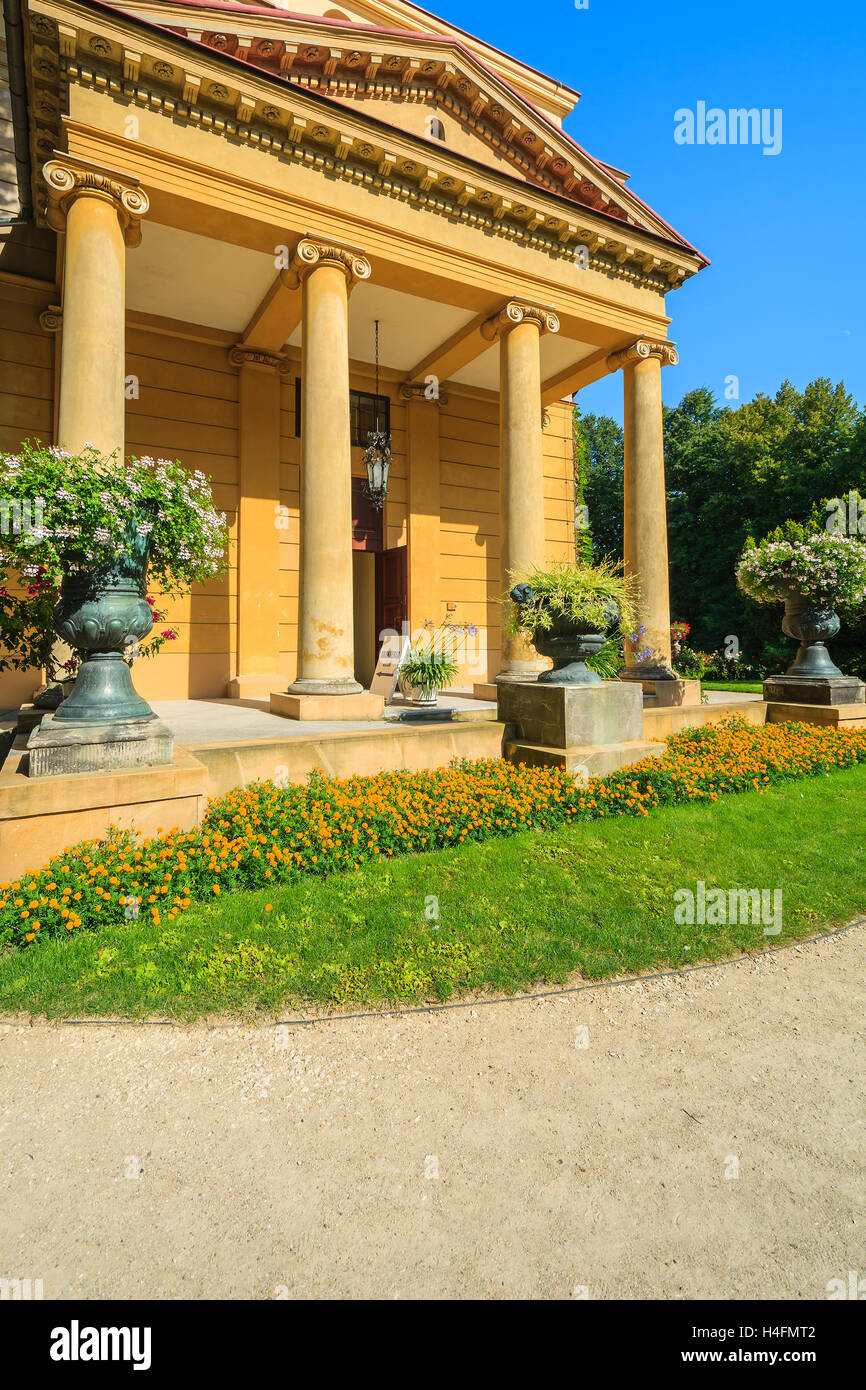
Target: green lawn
x=594, y=898
x=752, y=687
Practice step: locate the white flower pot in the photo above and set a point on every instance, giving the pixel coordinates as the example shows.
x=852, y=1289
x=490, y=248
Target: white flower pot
x=419, y=694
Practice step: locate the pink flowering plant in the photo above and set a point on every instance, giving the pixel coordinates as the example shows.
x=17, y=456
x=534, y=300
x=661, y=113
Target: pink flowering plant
x=63, y=513
x=800, y=558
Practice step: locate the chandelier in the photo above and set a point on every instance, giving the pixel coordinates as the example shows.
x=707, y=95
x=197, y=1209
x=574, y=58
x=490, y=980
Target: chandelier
x=377, y=456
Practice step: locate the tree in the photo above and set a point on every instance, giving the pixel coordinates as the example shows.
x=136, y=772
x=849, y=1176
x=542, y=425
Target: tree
x=599, y=455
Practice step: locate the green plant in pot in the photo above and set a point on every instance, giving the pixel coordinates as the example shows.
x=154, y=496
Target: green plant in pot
x=431, y=664
x=101, y=528
x=812, y=571
x=567, y=612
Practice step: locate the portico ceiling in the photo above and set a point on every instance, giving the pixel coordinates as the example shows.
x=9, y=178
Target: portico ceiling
x=181, y=275
x=196, y=279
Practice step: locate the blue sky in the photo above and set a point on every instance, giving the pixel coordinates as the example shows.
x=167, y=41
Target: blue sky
x=785, y=295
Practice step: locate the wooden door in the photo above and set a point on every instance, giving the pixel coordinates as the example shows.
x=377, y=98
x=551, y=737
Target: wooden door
x=392, y=590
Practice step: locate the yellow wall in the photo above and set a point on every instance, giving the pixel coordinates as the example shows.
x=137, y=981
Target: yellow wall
x=188, y=409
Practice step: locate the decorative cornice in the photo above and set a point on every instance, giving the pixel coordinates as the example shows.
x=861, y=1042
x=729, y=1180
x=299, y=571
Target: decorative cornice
x=518, y=311
x=186, y=92
x=640, y=350
x=312, y=252
x=242, y=356
x=69, y=178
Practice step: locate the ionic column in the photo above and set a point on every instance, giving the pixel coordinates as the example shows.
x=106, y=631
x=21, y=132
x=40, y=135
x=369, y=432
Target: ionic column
x=645, y=534
x=99, y=212
x=326, y=659
x=521, y=457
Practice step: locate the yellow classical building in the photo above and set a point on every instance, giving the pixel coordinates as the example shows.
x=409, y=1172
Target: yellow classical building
x=208, y=209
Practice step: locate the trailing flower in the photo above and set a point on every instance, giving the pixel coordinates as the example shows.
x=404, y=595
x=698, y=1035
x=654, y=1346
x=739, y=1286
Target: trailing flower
x=826, y=567
x=65, y=512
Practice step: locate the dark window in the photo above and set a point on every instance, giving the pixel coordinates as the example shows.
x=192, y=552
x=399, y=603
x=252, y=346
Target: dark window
x=368, y=412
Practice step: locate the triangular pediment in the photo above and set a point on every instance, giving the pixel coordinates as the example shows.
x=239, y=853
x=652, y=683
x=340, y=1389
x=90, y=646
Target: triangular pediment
x=425, y=84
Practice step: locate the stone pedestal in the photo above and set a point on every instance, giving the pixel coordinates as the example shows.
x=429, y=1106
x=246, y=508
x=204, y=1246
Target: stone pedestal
x=589, y=730
x=43, y=817
x=835, y=701
x=321, y=708
x=56, y=750
x=812, y=690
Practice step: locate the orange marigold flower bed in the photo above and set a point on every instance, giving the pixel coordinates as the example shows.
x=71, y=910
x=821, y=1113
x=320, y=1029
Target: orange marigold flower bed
x=264, y=834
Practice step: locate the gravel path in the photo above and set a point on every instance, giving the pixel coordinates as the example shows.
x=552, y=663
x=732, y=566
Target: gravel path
x=478, y=1152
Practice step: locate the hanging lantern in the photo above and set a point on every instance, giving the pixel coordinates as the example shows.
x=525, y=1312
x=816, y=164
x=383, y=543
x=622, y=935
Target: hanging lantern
x=377, y=456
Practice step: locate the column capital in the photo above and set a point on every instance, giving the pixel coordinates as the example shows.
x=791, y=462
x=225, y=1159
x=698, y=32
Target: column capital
x=640, y=350
x=242, y=356
x=519, y=311
x=313, y=251
x=418, y=391
x=69, y=177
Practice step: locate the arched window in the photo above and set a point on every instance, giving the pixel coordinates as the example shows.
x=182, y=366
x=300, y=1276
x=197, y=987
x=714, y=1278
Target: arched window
x=435, y=128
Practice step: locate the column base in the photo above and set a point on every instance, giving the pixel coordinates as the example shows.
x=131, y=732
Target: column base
x=649, y=673
x=55, y=751
x=363, y=705
x=522, y=675
x=677, y=692
x=344, y=686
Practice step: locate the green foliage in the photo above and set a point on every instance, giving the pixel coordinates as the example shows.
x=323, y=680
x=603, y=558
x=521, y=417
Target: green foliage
x=609, y=659
x=430, y=670
x=582, y=593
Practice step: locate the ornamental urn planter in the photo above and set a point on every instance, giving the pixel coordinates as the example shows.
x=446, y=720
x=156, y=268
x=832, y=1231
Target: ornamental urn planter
x=104, y=725
x=101, y=612
x=568, y=643
x=811, y=625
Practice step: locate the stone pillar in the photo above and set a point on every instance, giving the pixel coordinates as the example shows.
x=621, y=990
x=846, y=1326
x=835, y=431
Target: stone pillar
x=521, y=448
x=326, y=659
x=645, y=535
x=99, y=212
x=258, y=632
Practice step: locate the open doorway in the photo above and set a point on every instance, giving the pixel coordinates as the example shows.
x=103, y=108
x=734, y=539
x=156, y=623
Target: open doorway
x=381, y=590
